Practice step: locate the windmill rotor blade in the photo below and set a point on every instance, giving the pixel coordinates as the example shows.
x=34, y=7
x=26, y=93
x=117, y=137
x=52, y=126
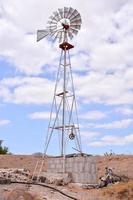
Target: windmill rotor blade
x=41, y=34
x=66, y=9
x=51, y=28
x=75, y=26
x=53, y=33
x=56, y=36
x=51, y=22
x=56, y=30
x=53, y=19
x=60, y=38
x=71, y=10
x=75, y=16
x=70, y=35
x=75, y=12
x=61, y=12
x=56, y=16
x=74, y=31
x=76, y=21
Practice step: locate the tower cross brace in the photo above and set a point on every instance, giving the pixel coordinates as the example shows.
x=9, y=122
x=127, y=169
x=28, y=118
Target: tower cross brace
x=65, y=121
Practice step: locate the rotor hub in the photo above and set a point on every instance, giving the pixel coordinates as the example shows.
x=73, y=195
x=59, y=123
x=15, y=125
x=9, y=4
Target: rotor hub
x=65, y=23
x=65, y=26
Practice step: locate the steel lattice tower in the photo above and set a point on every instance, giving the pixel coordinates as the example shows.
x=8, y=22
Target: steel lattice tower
x=63, y=25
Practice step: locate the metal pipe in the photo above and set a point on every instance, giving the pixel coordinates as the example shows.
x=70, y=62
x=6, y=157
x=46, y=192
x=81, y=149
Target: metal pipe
x=64, y=101
x=44, y=185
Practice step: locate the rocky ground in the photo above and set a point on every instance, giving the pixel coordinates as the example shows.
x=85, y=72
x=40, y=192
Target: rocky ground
x=122, y=165
x=121, y=191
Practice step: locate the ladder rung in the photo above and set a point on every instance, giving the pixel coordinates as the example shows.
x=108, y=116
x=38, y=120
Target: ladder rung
x=61, y=93
x=67, y=127
x=38, y=169
x=65, y=65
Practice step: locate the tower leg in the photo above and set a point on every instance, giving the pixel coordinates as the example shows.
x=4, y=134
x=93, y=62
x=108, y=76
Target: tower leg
x=63, y=117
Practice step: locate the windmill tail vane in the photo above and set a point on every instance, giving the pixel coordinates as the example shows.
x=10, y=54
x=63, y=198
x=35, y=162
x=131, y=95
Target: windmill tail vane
x=63, y=25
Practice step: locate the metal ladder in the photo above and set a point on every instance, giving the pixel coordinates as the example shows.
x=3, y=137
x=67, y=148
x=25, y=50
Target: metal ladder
x=38, y=169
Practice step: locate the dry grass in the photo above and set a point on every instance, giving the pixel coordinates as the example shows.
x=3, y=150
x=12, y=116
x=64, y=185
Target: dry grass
x=17, y=194
x=121, y=191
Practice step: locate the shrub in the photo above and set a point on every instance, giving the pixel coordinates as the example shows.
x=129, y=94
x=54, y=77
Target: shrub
x=3, y=150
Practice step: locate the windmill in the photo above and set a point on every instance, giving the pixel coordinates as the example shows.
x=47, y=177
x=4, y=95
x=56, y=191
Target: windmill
x=63, y=25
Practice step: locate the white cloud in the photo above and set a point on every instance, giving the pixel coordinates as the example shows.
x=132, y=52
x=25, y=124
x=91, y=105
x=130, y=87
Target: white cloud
x=22, y=18
x=20, y=47
x=27, y=90
x=93, y=115
x=83, y=62
x=89, y=135
x=111, y=89
x=5, y=94
x=103, y=46
x=22, y=50
x=41, y=115
x=4, y=122
x=110, y=57
x=124, y=123
x=113, y=140
x=124, y=110
x=102, y=58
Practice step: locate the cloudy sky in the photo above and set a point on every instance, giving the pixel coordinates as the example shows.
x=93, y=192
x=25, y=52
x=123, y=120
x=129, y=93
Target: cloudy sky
x=102, y=63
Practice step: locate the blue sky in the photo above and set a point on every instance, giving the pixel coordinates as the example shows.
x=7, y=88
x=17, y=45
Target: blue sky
x=102, y=65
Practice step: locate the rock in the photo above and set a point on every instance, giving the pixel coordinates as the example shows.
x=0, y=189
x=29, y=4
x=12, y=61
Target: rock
x=4, y=181
x=67, y=179
x=58, y=182
x=8, y=175
x=6, y=189
x=56, y=178
x=42, y=179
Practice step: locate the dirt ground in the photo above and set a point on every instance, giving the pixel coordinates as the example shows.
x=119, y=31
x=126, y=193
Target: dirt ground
x=121, y=191
x=122, y=165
